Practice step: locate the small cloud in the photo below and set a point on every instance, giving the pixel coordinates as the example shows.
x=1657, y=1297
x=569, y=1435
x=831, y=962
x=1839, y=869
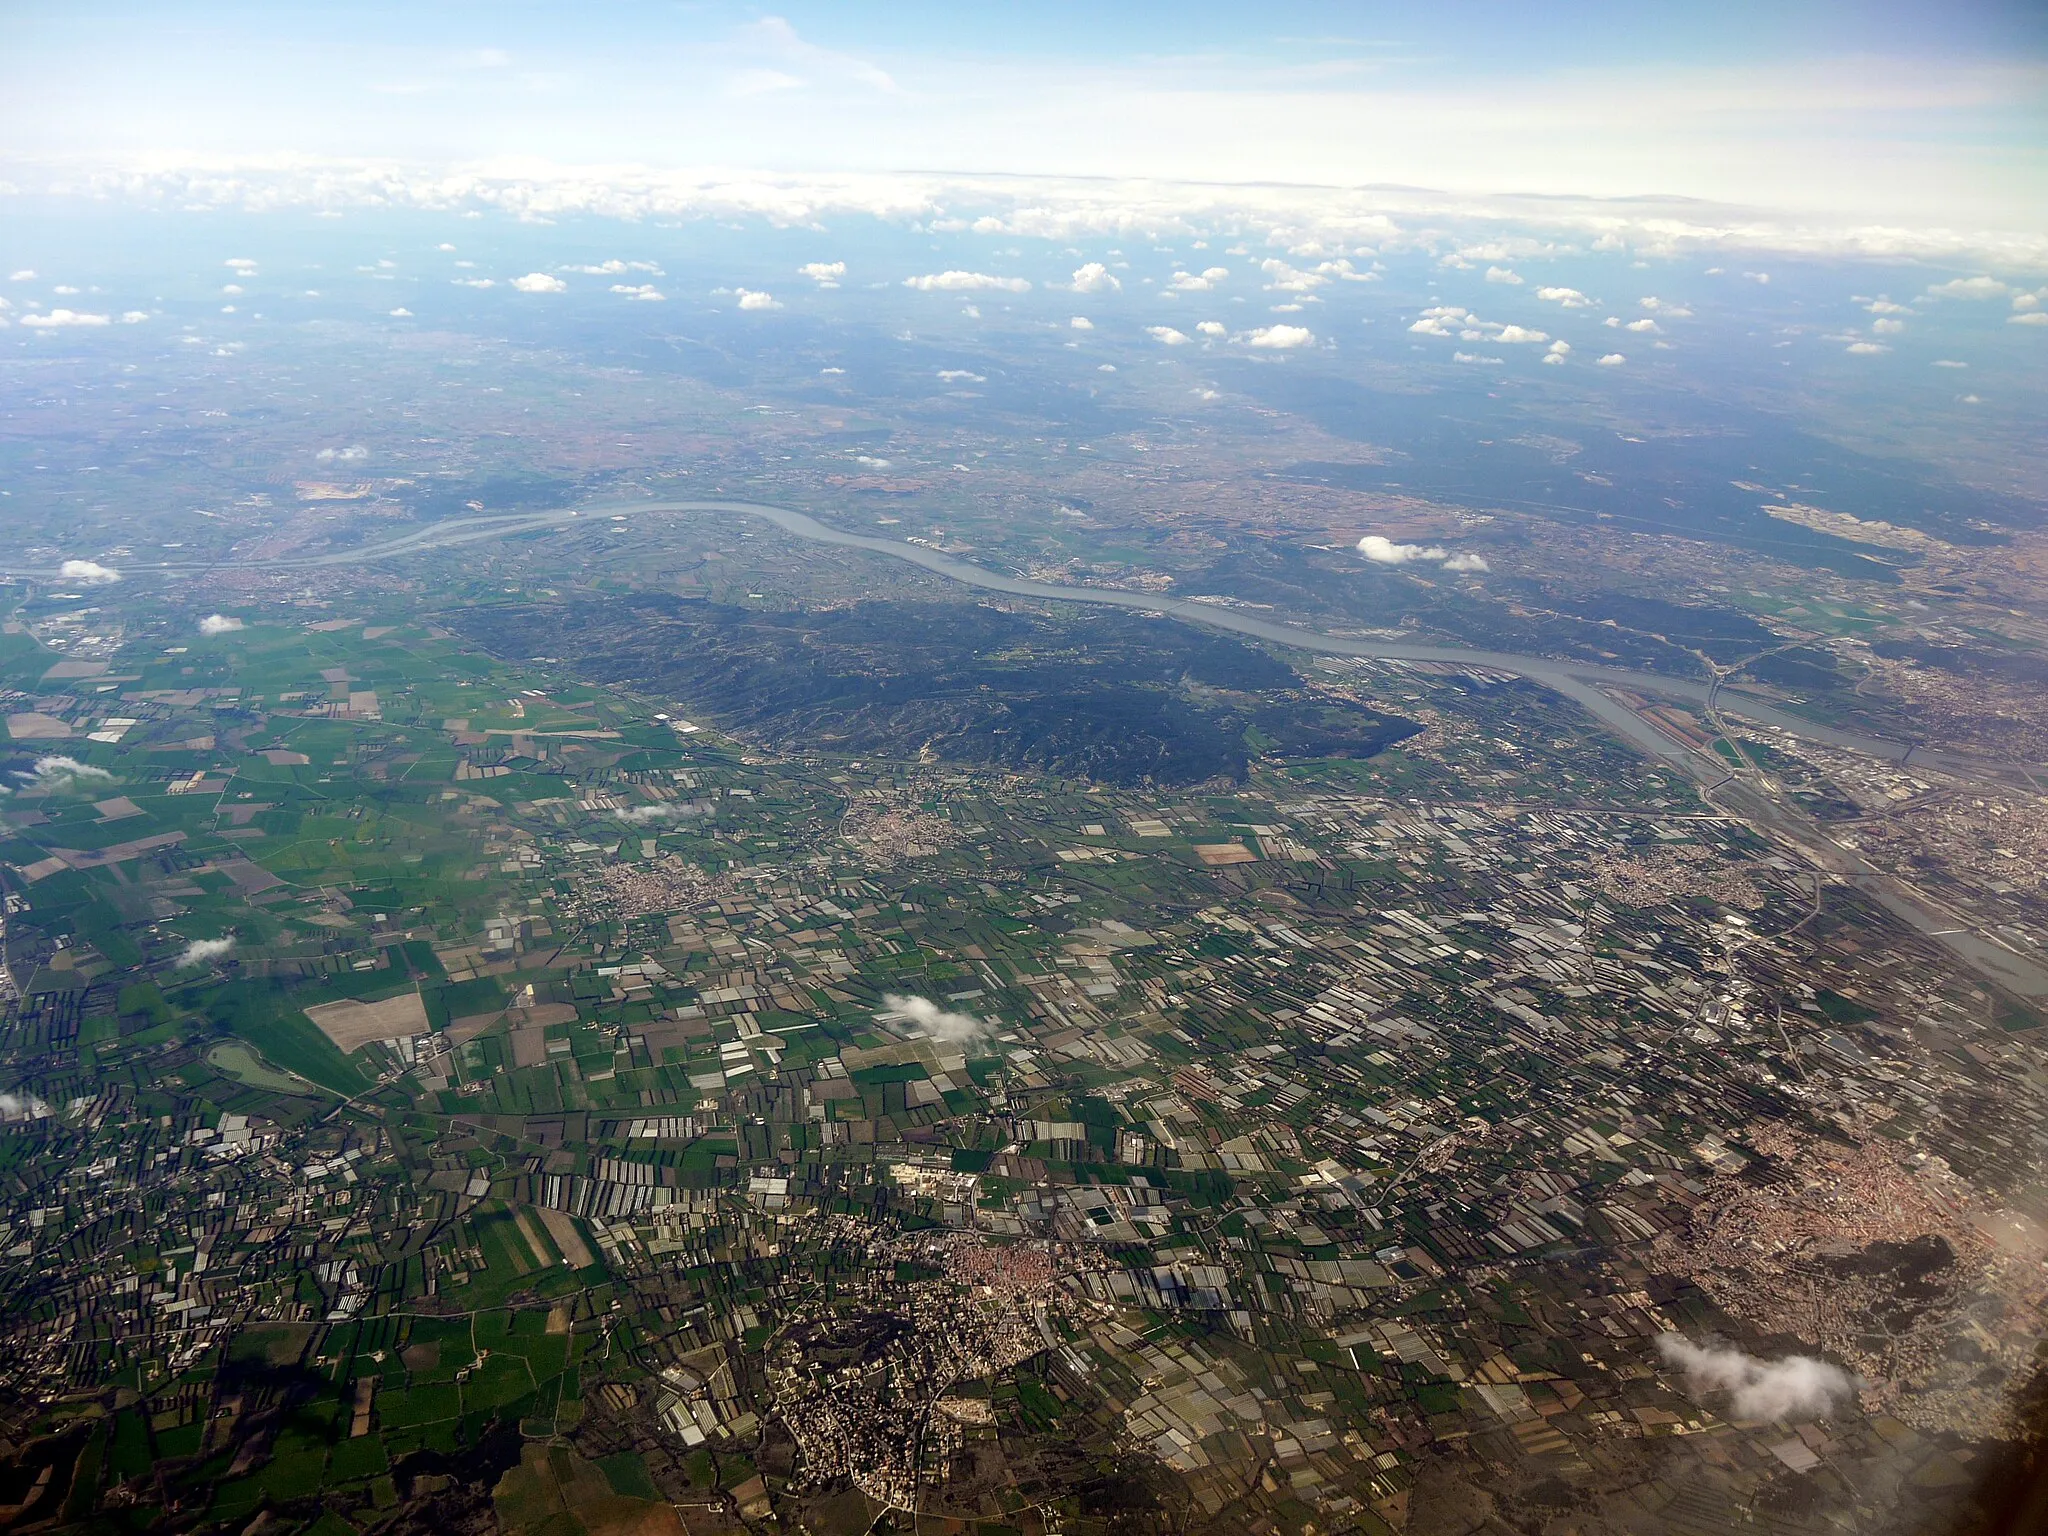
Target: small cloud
x=831, y=370
x=1868, y=348
x=225, y=288
x=825, y=274
x=1665, y=308
x=2028, y=317
x=1081, y=323
x=927, y=1018
x=25, y=275
x=1646, y=325
x=354, y=453
x=1466, y=561
x=90, y=572
x=1557, y=352
x=1198, y=282
x=1474, y=357
x=613, y=268
x=1612, y=360
x=1094, y=277
x=1381, y=550
x=1168, y=336
x=539, y=282
x=245, y=265
x=401, y=313
x=647, y=293
x=62, y=317
x=961, y=376
x=1518, y=333
x=754, y=298
x=1279, y=337
x=1969, y=288
x=219, y=624
x=66, y=775
x=444, y=246
x=641, y=815
x=1505, y=275
x=1887, y=327
x=1949, y=362
x=1211, y=328
x=205, y=952
x=1105, y=367
x=1762, y=278
x=134, y=316
x=22, y=1106
x=1887, y=307
x=1796, y=1387
x=966, y=282
x=1570, y=298
x=475, y=282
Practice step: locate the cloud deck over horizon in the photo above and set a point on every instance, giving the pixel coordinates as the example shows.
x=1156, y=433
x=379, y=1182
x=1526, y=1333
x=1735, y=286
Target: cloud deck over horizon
x=1933, y=120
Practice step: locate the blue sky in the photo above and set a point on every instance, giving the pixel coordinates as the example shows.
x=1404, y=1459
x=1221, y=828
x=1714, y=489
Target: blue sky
x=1919, y=113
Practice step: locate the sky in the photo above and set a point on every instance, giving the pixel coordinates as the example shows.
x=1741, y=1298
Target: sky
x=1932, y=114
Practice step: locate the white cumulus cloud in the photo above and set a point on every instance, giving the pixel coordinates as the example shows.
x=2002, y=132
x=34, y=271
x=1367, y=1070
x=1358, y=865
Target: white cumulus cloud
x=2028, y=317
x=1198, y=282
x=1645, y=325
x=62, y=317
x=968, y=282
x=1796, y=1387
x=928, y=1018
x=1211, y=328
x=825, y=274
x=1519, y=333
x=1868, y=348
x=1507, y=275
x=349, y=455
x=1168, y=335
x=1467, y=561
x=1969, y=288
x=219, y=624
x=205, y=952
x=1081, y=323
x=1612, y=360
x=66, y=774
x=22, y=1106
x=1280, y=337
x=1094, y=277
x=91, y=572
x=648, y=293
x=1570, y=298
x=1381, y=550
x=754, y=298
x=539, y=282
